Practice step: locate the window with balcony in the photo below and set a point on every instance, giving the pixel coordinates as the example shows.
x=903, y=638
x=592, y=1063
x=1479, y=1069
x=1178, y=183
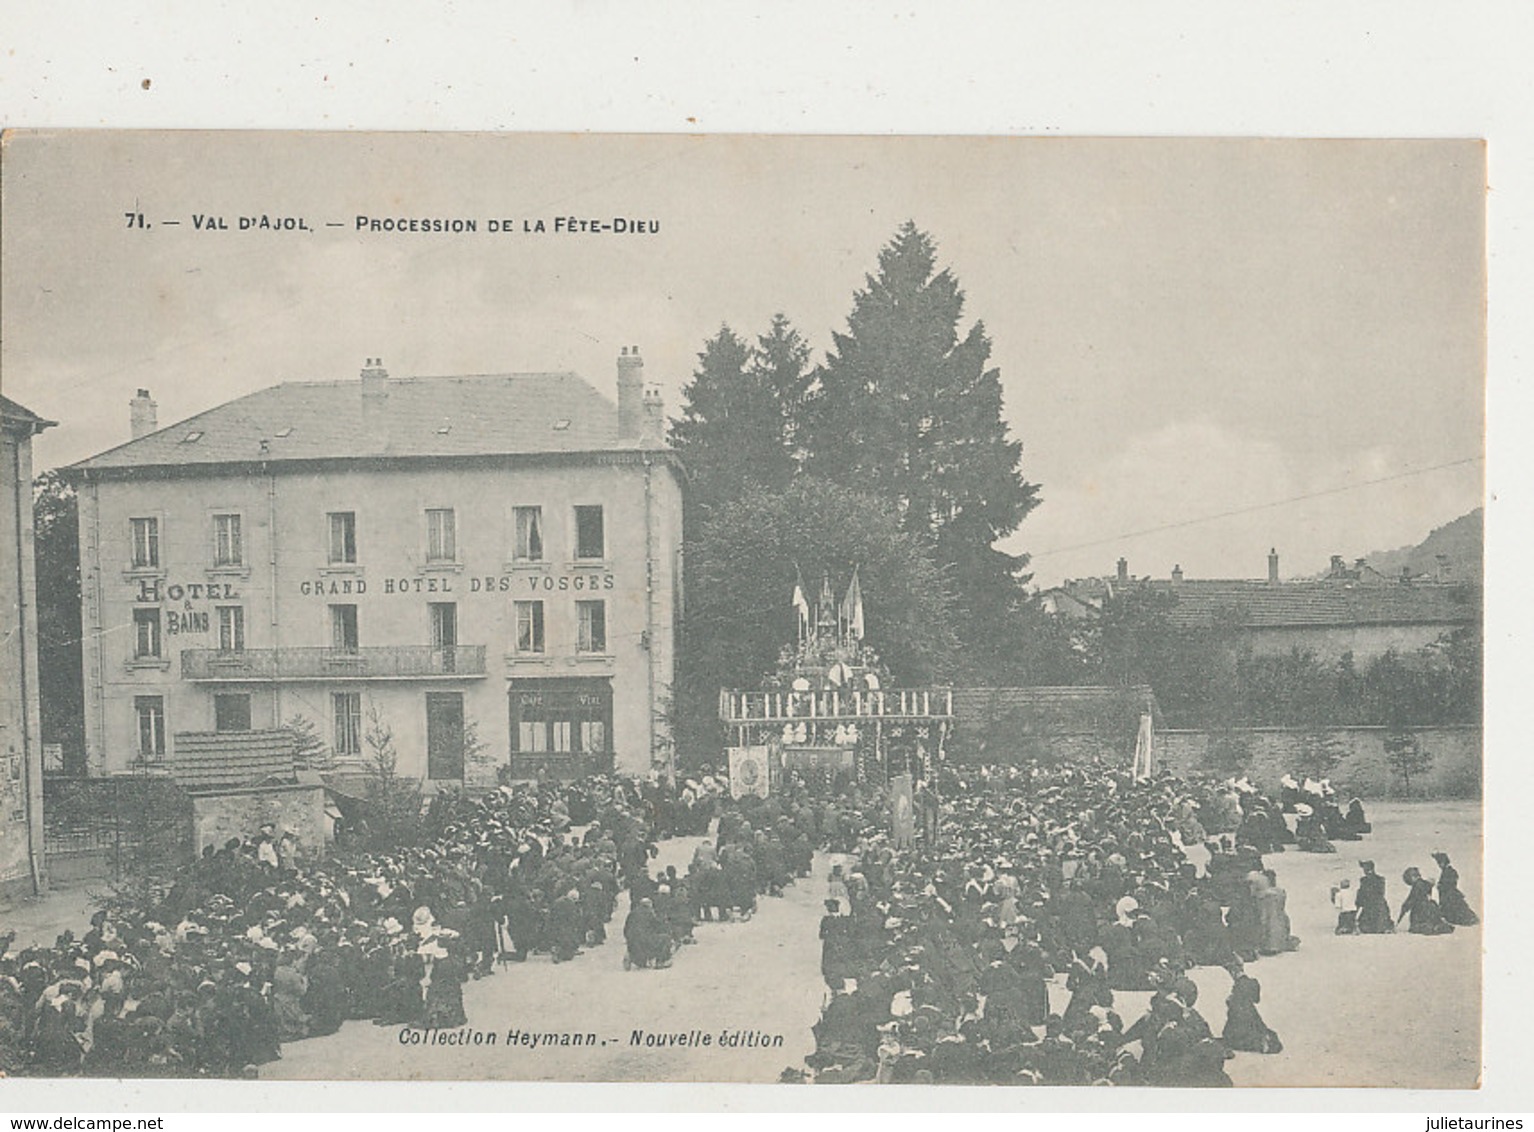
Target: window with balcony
x=590, y=539
x=347, y=708
x=146, y=543
x=150, y=713
x=444, y=624
x=530, y=626
x=343, y=537
x=529, y=523
x=146, y=634
x=231, y=628
x=231, y=711
x=441, y=535
x=343, y=628
x=228, y=544
x=591, y=626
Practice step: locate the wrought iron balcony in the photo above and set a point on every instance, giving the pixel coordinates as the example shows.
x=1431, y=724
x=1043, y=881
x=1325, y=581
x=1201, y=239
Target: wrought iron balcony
x=850, y=704
x=383, y=662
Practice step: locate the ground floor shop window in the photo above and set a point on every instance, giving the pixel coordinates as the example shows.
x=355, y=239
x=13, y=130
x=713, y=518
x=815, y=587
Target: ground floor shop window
x=571, y=717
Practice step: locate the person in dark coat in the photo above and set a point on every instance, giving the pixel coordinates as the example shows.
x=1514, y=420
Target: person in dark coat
x=567, y=926
x=1451, y=901
x=838, y=949
x=1373, y=911
x=1426, y=917
x=326, y=1001
x=648, y=940
x=521, y=919
x=1244, y=1028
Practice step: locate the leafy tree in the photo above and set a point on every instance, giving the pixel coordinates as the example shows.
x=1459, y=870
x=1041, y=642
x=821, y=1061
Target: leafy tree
x=60, y=668
x=742, y=574
x=1405, y=755
x=909, y=410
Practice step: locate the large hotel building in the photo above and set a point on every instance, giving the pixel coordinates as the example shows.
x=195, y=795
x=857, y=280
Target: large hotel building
x=487, y=566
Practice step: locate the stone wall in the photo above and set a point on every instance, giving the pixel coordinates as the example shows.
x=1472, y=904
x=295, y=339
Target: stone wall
x=1455, y=771
x=226, y=814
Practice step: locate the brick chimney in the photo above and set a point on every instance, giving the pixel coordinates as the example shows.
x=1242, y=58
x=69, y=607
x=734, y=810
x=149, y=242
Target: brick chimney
x=1177, y=573
x=143, y=414
x=1123, y=570
x=631, y=394
x=375, y=404
x=653, y=428
x=1273, y=566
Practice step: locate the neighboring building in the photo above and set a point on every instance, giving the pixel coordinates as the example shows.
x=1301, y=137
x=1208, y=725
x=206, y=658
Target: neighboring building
x=1352, y=609
x=22, y=869
x=496, y=553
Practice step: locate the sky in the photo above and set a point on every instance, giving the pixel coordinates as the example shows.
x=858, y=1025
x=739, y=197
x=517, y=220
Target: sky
x=1207, y=347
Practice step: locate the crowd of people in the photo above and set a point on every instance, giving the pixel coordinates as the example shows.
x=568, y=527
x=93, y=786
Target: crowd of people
x=246, y=950
x=940, y=955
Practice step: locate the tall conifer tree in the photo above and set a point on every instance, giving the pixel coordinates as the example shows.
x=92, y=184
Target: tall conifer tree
x=908, y=409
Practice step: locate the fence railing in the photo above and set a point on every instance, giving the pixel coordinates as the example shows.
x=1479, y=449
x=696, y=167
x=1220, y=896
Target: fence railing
x=380, y=662
x=898, y=703
x=124, y=822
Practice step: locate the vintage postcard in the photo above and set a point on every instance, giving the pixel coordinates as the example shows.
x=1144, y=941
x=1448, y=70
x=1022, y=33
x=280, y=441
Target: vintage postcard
x=938, y=610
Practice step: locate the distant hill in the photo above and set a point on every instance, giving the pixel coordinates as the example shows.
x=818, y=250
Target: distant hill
x=1458, y=541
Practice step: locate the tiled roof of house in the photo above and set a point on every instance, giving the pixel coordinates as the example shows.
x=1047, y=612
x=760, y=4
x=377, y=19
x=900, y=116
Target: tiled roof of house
x=1263, y=605
x=490, y=414
x=206, y=760
x=16, y=414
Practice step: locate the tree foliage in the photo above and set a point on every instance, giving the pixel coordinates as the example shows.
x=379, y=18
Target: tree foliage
x=743, y=563
x=1208, y=677
x=55, y=520
x=393, y=799
x=909, y=410
x=740, y=414
x=1405, y=754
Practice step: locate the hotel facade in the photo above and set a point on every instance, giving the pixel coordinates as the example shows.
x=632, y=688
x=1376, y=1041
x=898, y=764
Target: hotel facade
x=488, y=568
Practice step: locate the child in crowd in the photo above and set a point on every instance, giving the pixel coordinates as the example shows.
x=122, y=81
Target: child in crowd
x=1345, y=900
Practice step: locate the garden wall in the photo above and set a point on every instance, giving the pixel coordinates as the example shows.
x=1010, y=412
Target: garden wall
x=1455, y=770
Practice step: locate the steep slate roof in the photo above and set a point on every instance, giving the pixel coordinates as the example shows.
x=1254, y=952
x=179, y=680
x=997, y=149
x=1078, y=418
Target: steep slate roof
x=489, y=414
x=1262, y=605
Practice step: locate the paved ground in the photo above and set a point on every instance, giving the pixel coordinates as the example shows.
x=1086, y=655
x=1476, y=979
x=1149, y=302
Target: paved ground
x=1400, y=1011
x=1397, y=1011
x=759, y=977
x=39, y=920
